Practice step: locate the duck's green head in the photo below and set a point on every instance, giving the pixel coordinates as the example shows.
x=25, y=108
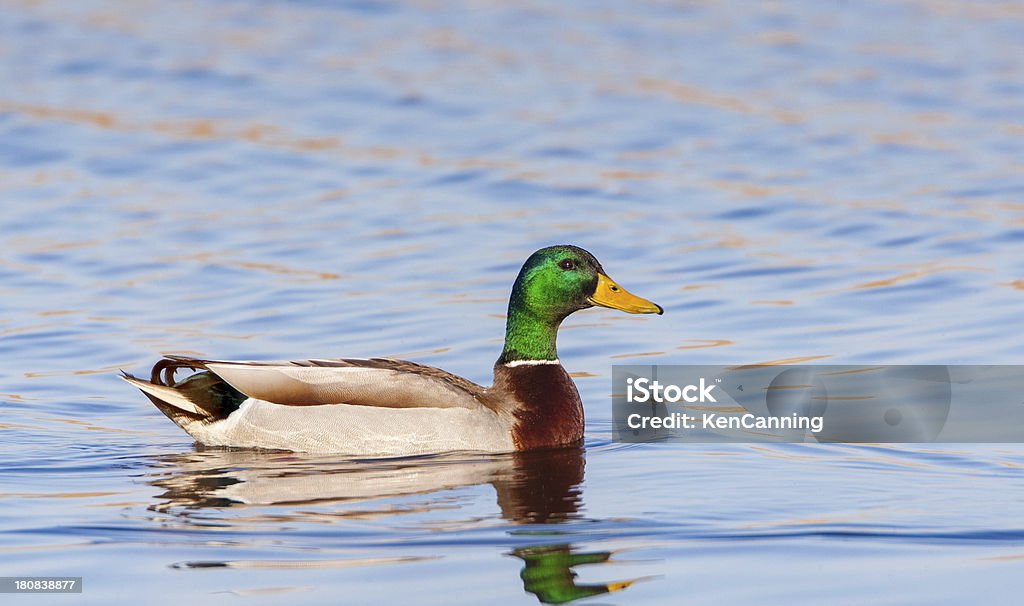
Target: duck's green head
x=553, y=283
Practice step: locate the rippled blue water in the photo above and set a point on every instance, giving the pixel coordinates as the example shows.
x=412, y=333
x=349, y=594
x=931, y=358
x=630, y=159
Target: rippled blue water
x=807, y=181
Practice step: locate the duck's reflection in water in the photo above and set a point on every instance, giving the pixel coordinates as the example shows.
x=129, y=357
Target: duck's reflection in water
x=534, y=488
x=542, y=487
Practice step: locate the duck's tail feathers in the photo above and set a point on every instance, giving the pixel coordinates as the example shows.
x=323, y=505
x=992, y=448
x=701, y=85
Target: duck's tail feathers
x=200, y=397
x=172, y=402
x=163, y=371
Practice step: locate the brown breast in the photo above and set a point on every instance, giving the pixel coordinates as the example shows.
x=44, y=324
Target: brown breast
x=547, y=411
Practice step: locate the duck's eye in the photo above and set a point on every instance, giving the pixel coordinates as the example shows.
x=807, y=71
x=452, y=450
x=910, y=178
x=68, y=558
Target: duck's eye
x=567, y=264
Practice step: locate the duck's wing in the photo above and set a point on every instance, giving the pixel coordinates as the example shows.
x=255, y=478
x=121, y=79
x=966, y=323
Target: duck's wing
x=380, y=382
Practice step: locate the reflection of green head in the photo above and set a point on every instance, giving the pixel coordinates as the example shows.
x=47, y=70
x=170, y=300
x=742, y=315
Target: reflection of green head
x=548, y=573
x=553, y=283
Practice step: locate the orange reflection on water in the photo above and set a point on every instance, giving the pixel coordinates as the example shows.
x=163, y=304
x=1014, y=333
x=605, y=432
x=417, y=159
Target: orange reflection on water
x=781, y=362
x=912, y=275
x=704, y=343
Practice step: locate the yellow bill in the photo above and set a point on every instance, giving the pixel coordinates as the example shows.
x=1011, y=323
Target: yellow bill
x=610, y=294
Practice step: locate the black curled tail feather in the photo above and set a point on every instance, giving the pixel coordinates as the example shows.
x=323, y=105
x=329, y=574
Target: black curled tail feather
x=163, y=371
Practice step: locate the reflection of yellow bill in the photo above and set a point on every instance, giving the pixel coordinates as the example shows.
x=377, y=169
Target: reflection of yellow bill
x=610, y=294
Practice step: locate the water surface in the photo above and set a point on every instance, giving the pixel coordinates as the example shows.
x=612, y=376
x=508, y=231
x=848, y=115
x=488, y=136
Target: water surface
x=808, y=181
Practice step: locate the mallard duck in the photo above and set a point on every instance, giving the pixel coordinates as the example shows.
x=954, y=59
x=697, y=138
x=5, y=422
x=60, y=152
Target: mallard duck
x=387, y=407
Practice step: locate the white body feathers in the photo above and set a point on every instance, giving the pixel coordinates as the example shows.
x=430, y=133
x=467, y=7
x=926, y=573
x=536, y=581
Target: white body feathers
x=357, y=430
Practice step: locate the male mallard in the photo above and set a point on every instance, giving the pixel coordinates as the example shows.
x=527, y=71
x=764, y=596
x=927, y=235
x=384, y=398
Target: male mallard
x=386, y=407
